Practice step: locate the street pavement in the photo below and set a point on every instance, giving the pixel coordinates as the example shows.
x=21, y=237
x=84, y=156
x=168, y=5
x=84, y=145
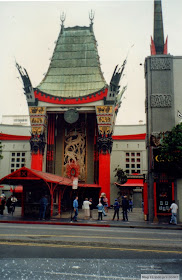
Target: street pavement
x=110, y=250
x=135, y=220
x=73, y=269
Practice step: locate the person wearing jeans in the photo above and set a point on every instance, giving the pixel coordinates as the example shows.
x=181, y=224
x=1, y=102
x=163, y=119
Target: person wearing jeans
x=173, y=208
x=75, y=207
x=43, y=206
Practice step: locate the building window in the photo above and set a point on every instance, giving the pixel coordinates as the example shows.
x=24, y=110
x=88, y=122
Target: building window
x=133, y=162
x=17, y=160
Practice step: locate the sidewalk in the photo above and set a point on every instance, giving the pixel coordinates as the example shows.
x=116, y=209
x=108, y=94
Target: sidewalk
x=135, y=220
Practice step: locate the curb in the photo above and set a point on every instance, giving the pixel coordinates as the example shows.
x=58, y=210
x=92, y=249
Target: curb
x=92, y=225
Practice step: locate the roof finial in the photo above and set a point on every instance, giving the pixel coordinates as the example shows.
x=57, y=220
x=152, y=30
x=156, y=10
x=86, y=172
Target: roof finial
x=91, y=17
x=62, y=18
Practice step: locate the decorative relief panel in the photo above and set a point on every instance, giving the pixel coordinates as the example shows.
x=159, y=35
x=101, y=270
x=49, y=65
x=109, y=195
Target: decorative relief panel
x=75, y=152
x=160, y=63
x=104, y=129
x=38, y=119
x=104, y=143
x=104, y=110
x=161, y=100
x=104, y=119
x=37, y=110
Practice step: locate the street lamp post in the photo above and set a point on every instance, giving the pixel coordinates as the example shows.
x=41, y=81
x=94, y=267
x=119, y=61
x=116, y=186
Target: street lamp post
x=74, y=187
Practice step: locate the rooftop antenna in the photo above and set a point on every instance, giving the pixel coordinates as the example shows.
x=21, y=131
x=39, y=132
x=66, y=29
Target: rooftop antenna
x=62, y=18
x=91, y=17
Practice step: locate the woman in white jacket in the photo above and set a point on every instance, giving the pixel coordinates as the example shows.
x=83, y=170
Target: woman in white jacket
x=86, y=207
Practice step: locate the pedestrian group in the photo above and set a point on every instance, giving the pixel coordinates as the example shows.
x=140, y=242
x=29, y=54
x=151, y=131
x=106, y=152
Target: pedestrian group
x=102, y=208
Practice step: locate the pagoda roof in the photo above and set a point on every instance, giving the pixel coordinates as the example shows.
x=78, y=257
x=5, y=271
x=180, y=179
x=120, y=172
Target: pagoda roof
x=74, y=70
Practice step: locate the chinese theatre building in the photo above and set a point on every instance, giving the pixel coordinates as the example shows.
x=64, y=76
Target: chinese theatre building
x=72, y=113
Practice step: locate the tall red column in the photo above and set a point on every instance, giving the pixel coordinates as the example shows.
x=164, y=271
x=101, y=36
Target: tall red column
x=104, y=174
x=37, y=161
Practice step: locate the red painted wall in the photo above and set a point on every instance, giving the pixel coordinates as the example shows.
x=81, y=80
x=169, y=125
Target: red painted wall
x=104, y=174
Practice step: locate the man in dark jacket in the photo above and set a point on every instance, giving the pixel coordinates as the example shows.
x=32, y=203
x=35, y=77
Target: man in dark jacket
x=125, y=205
x=43, y=205
x=2, y=204
x=116, y=209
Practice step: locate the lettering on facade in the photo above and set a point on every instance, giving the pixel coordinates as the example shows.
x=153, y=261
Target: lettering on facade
x=161, y=100
x=160, y=63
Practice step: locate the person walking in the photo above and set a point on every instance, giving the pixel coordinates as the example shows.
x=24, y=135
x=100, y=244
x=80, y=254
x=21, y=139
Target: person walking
x=100, y=208
x=116, y=209
x=130, y=205
x=103, y=203
x=8, y=204
x=86, y=207
x=174, y=209
x=125, y=206
x=75, y=208
x=105, y=200
x=43, y=205
x=13, y=201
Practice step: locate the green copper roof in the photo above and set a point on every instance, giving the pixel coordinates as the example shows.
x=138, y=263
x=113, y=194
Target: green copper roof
x=75, y=68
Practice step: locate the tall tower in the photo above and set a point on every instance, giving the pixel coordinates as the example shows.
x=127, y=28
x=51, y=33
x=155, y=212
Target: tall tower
x=160, y=115
x=157, y=43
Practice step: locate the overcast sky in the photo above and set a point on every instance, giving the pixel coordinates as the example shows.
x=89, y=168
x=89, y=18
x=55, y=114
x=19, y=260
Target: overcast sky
x=29, y=31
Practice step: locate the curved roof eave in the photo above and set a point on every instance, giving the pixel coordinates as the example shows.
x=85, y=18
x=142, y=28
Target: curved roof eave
x=93, y=97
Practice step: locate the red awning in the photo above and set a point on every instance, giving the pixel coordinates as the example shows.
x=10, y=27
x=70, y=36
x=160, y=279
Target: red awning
x=25, y=174
x=18, y=189
x=131, y=183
